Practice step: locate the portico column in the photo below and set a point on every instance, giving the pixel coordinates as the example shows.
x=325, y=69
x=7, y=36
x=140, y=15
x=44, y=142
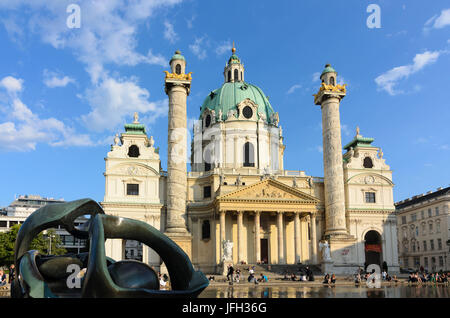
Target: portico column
x=280, y=229
x=313, y=238
x=297, y=237
x=222, y=231
x=240, y=236
x=257, y=236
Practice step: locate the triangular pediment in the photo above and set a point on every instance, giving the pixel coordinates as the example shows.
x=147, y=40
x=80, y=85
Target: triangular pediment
x=269, y=189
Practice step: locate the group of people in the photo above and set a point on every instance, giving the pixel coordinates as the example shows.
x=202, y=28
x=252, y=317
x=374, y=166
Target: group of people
x=234, y=276
x=423, y=277
x=3, y=280
x=305, y=274
x=329, y=279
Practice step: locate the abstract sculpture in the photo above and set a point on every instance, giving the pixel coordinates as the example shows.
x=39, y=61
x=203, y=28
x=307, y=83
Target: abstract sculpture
x=42, y=276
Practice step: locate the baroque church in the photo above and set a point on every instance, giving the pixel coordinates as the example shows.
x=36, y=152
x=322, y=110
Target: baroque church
x=237, y=192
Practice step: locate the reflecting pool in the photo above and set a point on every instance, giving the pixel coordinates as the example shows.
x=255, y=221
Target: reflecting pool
x=398, y=291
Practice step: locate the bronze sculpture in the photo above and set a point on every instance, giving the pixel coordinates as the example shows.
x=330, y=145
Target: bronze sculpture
x=46, y=276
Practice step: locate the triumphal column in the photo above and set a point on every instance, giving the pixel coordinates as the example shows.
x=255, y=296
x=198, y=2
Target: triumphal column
x=177, y=87
x=336, y=233
x=329, y=97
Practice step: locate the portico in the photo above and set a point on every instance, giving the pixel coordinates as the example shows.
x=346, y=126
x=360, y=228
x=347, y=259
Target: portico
x=268, y=222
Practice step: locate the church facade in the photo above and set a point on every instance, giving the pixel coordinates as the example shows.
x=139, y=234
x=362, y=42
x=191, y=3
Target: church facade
x=237, y=189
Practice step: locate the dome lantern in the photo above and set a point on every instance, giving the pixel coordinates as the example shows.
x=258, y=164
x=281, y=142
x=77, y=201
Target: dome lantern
x=234, y=69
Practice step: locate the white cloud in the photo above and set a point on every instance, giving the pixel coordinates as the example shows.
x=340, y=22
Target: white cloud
x=293, y=88
x=444, y=147
x=24, y=129
x=113, y=100
x=316, y=77
x=169, y=32
x=53, y=79
x=12, y=84
x=388, y=80
x=224, y=47
x=108, y=33
x=198, y=49
x=319, y=148
x=438, y=22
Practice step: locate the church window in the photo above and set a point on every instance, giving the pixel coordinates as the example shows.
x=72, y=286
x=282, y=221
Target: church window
x=432, y=245
x=248, y=112
x=368, y=162
x=370, y=197
x=206, y=230
x=132, y=189
x=133, y=151
x=439, y=244
x=332, y=80
x=425, y=246
x=403, y=219
x=207, y=120
x=207, y=192
x=229, y=76
x=3, y=223
x=249, y=160
x=207, y=166
x=178, y=69
x=236, y=75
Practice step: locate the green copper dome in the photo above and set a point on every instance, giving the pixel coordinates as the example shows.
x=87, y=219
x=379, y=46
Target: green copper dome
x=328, y=69
x=230, y=94
x=177, y=56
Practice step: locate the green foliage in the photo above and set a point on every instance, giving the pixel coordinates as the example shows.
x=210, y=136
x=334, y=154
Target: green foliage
x=40, y=243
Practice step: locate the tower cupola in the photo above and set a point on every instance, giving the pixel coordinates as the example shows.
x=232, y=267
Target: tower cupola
x=329, y=75
x=178, y=63
x=234, y=69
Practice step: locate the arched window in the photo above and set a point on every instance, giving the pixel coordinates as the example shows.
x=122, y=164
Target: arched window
x=249, y=155
x=368, y=162
x=229, y=76
x=178, y=69
x=207, y=157
x=133, y=151
x=206, y=230
x=332, y=80
x=236, y=75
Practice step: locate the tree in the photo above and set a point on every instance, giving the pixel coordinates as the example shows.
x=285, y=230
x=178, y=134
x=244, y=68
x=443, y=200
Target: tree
x=41, y=243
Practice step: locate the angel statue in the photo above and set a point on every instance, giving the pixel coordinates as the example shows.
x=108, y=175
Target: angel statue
x=325, y=248
x=227, y=250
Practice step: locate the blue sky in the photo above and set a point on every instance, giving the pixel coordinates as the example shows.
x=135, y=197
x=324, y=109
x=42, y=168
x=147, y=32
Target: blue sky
x=65, y=92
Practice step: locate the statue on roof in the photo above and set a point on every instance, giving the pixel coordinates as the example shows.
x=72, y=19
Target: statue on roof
x=357, y=130
x=136, y=118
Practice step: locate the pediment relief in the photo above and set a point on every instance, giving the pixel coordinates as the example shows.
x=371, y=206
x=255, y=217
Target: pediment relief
x=127, y=169
x=269, y=190
x=369, y=179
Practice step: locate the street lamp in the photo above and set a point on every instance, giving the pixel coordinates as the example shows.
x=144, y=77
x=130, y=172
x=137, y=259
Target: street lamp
x=50, y=236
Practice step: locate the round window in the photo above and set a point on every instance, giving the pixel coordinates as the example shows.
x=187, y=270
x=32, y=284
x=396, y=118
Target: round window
x=248, y=112
x=208, y=120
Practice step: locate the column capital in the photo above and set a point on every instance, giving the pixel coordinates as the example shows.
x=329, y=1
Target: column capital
x=257, y=212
